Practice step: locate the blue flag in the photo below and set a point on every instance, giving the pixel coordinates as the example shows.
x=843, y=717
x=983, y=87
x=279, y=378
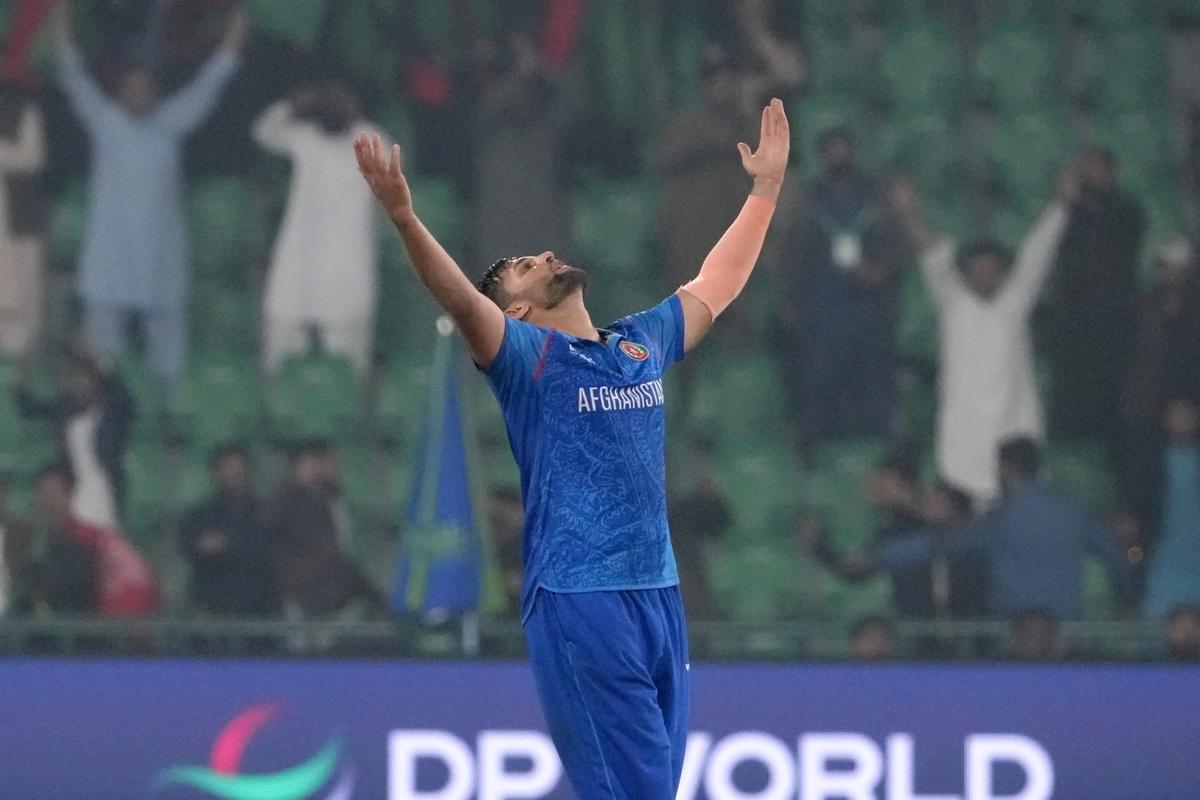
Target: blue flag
x=439, y=571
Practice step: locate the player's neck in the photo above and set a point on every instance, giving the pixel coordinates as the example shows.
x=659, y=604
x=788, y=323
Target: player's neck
x=570, y=316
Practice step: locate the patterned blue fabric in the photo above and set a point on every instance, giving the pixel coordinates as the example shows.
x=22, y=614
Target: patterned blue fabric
x=586, y=424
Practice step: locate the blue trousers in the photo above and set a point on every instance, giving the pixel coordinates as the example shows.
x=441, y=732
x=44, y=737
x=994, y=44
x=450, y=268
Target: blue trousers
x=611, y=670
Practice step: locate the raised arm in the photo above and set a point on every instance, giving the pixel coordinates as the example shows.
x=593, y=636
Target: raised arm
x=935, y=252
x=725, y=271
x=480, y=320
x=275, y=128
x=87, y=98
x=1036, y=256
x=187, y=108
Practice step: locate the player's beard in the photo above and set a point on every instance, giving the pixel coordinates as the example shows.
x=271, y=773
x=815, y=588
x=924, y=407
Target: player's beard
x=563, y=284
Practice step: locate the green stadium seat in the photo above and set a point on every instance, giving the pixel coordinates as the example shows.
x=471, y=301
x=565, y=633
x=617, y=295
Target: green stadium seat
x=193, y=484
x=362, y=43
x=828, y=16
x=1126, y=68
x=297, y=21
x=922, y=66
x=1026, y=152
x=224, y=321
x=1141, y=142
x=834, y=63
x=760, y=485
x=756, y=582
x=928, y=147
x=605, y=205
x=147, y=482
x=1017, y=68
x=742, y=400
x=220, y=218
x=361, y=484
x=1083, y=469
x=65, y=228
x=1115, y=14
x=315, y=395
x=401, y=400
x=832, y=488
x=219, y=401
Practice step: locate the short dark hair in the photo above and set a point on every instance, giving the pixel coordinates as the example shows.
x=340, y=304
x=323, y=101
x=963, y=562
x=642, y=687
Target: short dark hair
x=489, y=283
x=1022, y=454
x=984, y=247
x=56, y=469
x=228, y=450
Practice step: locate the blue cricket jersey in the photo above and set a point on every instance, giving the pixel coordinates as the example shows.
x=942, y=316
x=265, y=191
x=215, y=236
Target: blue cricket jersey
x=586, y=424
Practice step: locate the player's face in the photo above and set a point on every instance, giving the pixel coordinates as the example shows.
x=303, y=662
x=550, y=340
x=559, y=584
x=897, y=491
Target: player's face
x=543, y=281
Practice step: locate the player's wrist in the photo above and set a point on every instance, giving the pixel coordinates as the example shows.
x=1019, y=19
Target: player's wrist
x=767, y=188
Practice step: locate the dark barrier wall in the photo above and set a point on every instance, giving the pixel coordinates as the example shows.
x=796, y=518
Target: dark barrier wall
x=113, y=730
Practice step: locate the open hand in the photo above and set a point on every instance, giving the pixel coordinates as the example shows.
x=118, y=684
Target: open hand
x=382, y=173
x=767, y=164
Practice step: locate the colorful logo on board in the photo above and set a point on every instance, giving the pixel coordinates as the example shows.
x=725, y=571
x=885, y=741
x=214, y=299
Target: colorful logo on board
x=223, y=777
x=637, y=352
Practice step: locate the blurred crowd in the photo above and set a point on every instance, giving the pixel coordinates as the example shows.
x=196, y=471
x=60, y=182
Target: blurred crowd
x=522, y=111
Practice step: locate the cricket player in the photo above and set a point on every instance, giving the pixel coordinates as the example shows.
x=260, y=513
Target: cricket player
x=584, y=410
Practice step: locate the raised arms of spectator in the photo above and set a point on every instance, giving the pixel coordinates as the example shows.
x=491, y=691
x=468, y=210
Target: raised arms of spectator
x=27, y=151
x=725, y=271
x=1036, y=256
x=187, y=108
x=275, y=128
x=480, y=320
x=87, y=98
x=935, y=252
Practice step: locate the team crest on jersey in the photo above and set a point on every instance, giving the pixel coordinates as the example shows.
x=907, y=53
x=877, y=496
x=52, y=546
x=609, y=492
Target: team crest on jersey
x=637, y=352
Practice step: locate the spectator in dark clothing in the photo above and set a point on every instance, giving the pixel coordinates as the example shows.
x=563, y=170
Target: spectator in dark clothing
x=840, y=306
x=94, y=415
x=67, y=579
x=958, y=585
x=1167, y=366
x=1035, y=542
x=1168, y=353
x=1036, y=637
x=1183, y=634
x=308, y=536
x=873, y=639
x=699, y=520
x=945, y=585
x=1095, y=321
x=233, y=569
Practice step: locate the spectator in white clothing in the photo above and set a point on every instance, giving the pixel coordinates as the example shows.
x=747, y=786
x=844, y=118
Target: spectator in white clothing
x=322, y=275
x=984, y=299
